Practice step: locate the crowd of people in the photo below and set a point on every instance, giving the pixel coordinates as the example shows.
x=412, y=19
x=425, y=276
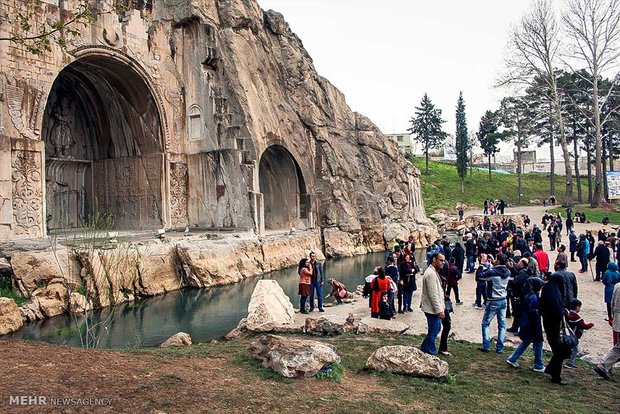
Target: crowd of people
x=514, y=278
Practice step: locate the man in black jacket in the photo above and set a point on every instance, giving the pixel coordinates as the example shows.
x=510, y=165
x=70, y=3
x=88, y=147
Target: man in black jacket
x=459, y=256
x=517, y=286
x=570, y=281
x=470, y=252
x=601, y=253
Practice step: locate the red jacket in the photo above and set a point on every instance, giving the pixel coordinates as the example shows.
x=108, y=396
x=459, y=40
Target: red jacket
x=543, y=260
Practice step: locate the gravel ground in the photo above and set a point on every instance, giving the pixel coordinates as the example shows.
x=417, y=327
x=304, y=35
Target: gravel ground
x=466, y=320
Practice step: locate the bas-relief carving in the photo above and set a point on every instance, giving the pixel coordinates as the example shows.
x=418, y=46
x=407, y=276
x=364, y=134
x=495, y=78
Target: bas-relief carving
x=27, y=193
x=26, y=105
x=178, y=194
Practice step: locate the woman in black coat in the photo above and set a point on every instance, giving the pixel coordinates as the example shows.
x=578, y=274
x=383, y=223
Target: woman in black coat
x=553, y=309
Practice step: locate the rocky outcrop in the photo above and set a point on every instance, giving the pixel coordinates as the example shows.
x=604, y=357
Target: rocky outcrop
x=331, y=325
x=292, y=357
x=360, y=178
x=78, y=303
x=340, y=243
x=269, y=306
x=370, y=325
x=10, y=317
x=407, y=360
x=178, y=339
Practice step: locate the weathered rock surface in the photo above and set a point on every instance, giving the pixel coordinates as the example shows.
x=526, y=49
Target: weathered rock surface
x=370, y=325
x=10, y=317
x=78, y=303
x=269, y=306
x=407, y=360
x=178, y=339
x=331, y=325
x=292, y=357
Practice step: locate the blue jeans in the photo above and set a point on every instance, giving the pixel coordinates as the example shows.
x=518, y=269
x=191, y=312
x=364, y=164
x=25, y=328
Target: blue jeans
x=584, y=263
x=481, y=293
x=538, y=353
x=407, y=298
x=470, y=263
x=319, y=292
x=434, y=327
x=494, y=308
x=573, y=354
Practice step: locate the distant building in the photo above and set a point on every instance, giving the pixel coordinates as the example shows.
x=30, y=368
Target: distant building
x=405, y=142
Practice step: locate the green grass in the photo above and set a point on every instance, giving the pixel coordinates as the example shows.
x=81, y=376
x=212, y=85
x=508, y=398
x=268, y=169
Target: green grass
x=8, y=293
x=593, y=214
x=477, y=382
x=442, y=188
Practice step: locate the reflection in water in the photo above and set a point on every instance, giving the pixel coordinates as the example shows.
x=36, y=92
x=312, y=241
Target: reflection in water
x=203, y=313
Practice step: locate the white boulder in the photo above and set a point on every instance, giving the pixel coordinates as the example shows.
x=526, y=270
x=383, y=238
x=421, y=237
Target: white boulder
x=269, y=307
x=407, y=360
x=291, y=357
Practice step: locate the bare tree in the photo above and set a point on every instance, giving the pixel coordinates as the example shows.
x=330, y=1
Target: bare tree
x=534, y=49
x=594, y=29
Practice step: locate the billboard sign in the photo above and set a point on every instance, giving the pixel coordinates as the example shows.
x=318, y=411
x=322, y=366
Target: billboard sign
x=613, y=185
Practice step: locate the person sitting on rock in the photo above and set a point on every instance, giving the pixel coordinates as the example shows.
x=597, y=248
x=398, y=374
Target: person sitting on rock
x=339, y=290
x=385, y=309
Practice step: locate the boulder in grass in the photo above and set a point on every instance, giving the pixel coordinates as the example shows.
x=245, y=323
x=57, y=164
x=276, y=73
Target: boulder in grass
x=292, y=357
x=178, y=339
x=370, y=325
x=407, y=360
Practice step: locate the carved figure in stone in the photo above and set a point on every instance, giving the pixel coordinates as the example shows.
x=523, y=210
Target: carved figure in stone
x=60, y=137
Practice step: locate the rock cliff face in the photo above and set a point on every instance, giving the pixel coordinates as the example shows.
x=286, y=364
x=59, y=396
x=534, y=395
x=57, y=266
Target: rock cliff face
x=361, y=181
x=200, y=113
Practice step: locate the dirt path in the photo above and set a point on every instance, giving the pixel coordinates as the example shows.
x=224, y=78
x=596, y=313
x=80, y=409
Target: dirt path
x=466, y=319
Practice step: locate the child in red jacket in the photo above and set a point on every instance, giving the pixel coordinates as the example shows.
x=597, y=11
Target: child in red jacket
x=578, y=325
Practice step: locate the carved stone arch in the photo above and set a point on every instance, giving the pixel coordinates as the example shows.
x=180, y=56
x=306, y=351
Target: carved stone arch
x=103, y=51
x=286, y=202
x=105, y=142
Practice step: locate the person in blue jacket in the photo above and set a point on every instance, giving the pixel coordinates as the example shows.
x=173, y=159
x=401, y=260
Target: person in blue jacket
x=610, y=278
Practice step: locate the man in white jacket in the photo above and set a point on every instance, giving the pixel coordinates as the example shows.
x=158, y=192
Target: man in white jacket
x=432, y=302
x=605, y=367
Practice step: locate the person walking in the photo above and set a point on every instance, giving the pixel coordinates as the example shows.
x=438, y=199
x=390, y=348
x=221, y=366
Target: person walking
x=530, y=327
x=518, y=287
x=446, y=322
x=452, y=281
x=610, y=279
x=317, y=282
x=432, y=302
x=497, y=280
x=305, y=279
x=605, y=367
x=552, y=309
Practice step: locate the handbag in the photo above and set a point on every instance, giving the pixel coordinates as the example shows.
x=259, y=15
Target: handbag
x=567, y=338
x=448, y=307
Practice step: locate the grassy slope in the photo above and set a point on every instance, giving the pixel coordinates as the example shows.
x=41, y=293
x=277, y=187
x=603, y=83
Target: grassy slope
x=477, y=383
x=442, y=188
x=594, y=215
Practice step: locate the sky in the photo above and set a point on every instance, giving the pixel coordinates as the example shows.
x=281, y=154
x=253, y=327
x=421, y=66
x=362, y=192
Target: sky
x=385, y=55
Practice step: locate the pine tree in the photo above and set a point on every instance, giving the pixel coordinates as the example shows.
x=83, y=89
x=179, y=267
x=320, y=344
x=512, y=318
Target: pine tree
x=461, y=141
x=426, y=126
x=489, y=136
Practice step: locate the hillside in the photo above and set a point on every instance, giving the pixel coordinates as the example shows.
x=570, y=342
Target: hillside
x=442, y=188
